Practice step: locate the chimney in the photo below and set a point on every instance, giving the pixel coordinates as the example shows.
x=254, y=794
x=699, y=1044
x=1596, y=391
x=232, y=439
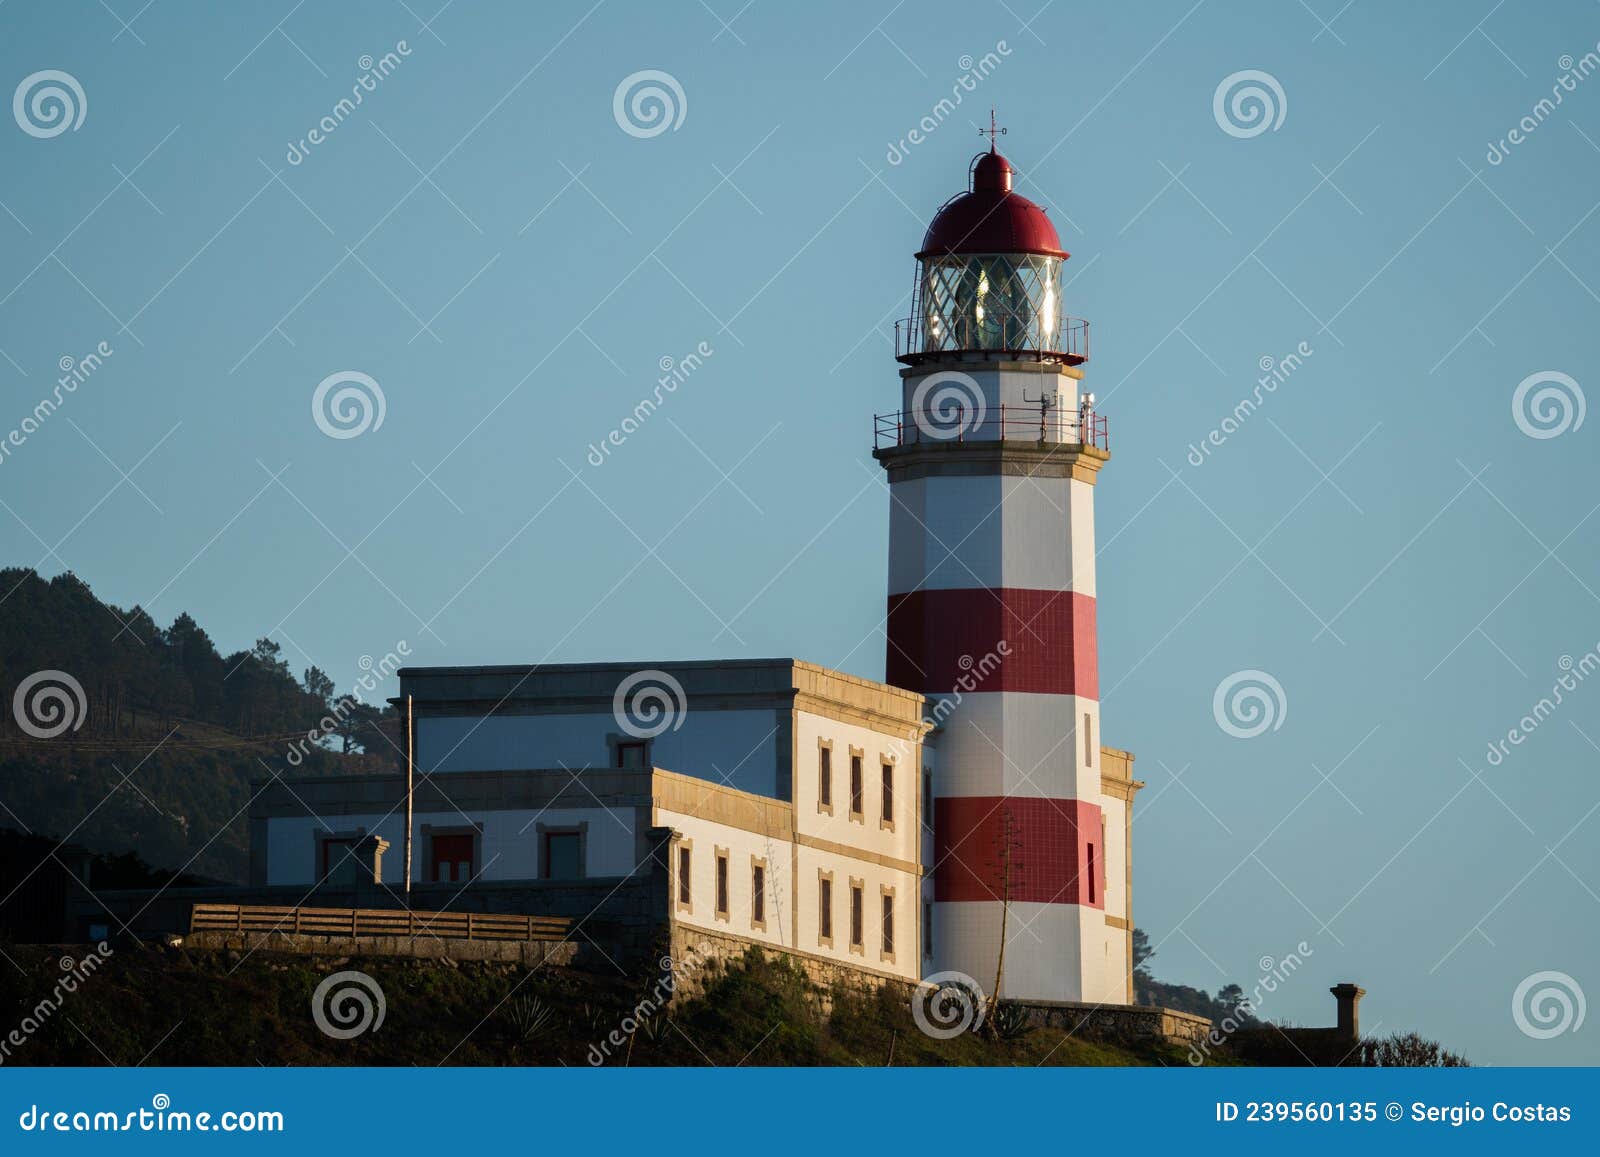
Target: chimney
x=1349, y=997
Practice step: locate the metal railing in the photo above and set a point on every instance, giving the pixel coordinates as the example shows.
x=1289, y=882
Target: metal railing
x=358, y=922
x=964, y=423
x=1069, y=344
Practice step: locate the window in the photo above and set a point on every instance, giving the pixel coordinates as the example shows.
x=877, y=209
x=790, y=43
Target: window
x=562, y=851
x=825, y=778
x=888, y=925
x=632, y=753
x=856, y=812
x=825, y=909
x=927, y=798
x=685, y=896
x=927, y=929
x=1091, y=875
x=338, y=862
x=1103, y=843
x=722, y=884
x=563, y=856
x=450, y=858
x=887, y=818
x=1088, y=740
x=857, y=939
x=989, y=302
x=758, y=895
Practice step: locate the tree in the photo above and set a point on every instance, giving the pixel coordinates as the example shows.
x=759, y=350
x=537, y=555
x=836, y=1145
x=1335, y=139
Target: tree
x=1231, y=998
x=196, y=656
x=319, y=686
x=269, y=655
x=1141, y=953
x=360, y=726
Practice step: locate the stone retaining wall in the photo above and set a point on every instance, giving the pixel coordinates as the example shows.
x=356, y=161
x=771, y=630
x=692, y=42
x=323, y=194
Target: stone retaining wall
x=697, y=955
x=1119, y=1023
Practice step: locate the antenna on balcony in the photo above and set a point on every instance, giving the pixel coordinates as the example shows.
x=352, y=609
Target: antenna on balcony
x=1046, y=402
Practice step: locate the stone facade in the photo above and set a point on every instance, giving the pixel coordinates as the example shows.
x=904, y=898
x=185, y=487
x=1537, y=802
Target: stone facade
x=1119, y=1023
x=697, y=955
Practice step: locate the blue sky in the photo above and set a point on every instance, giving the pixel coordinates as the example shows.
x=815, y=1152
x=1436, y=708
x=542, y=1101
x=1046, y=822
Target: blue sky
x=483, y=240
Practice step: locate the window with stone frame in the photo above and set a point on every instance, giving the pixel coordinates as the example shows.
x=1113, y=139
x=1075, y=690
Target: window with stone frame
x=722, y=884
x=685, y=892
x=450, y=858
x=758, y=895
x=563, y=856
x=825, y=910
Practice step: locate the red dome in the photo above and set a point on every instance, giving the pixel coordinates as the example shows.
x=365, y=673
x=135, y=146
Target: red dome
x=990, y=218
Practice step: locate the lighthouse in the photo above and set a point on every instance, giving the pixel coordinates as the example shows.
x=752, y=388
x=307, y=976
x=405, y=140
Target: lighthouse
x=992, y=458
x=961, y=823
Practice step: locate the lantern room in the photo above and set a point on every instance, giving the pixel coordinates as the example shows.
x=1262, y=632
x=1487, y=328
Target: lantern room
x=989, y=278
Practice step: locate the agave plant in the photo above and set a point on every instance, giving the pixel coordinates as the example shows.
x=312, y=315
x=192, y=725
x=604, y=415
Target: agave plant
x=530, y=1016
x=655, y=1028
x=1009, y=1021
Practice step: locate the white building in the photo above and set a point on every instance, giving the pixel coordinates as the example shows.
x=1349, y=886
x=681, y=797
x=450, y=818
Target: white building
x=905, y=827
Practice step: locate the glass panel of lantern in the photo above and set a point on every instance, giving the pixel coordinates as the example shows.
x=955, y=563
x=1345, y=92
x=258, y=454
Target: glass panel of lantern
x=991, y=302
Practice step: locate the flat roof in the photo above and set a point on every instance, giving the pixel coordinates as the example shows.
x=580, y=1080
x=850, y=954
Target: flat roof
x=728, y=682
x=672, y=666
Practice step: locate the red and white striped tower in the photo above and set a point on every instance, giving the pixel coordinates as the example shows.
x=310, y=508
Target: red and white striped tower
x=992, y=460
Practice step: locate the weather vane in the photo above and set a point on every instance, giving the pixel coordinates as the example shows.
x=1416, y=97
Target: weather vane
x=991, y=132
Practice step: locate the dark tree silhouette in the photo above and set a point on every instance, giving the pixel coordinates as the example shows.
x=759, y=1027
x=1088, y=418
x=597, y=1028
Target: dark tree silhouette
x=170, y=732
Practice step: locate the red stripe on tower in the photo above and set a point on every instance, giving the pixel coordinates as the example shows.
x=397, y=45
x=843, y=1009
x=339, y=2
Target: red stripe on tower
x=1055, y=859
x=1040, y=641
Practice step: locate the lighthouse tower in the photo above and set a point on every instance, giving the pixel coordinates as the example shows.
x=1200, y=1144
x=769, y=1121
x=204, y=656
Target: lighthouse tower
x=992, y=459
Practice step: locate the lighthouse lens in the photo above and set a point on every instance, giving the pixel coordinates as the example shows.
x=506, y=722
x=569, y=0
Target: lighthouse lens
x=1001, y=302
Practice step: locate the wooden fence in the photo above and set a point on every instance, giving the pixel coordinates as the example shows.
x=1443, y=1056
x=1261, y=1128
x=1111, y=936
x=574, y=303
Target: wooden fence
x=354, y=922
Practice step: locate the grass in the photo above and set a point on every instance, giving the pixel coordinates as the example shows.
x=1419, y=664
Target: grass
x=158, y=1005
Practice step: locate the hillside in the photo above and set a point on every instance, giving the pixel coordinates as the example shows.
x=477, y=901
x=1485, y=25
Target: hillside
x=167, y=1006
x=154, y=736
x=216, y=1009
x=179, y=806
